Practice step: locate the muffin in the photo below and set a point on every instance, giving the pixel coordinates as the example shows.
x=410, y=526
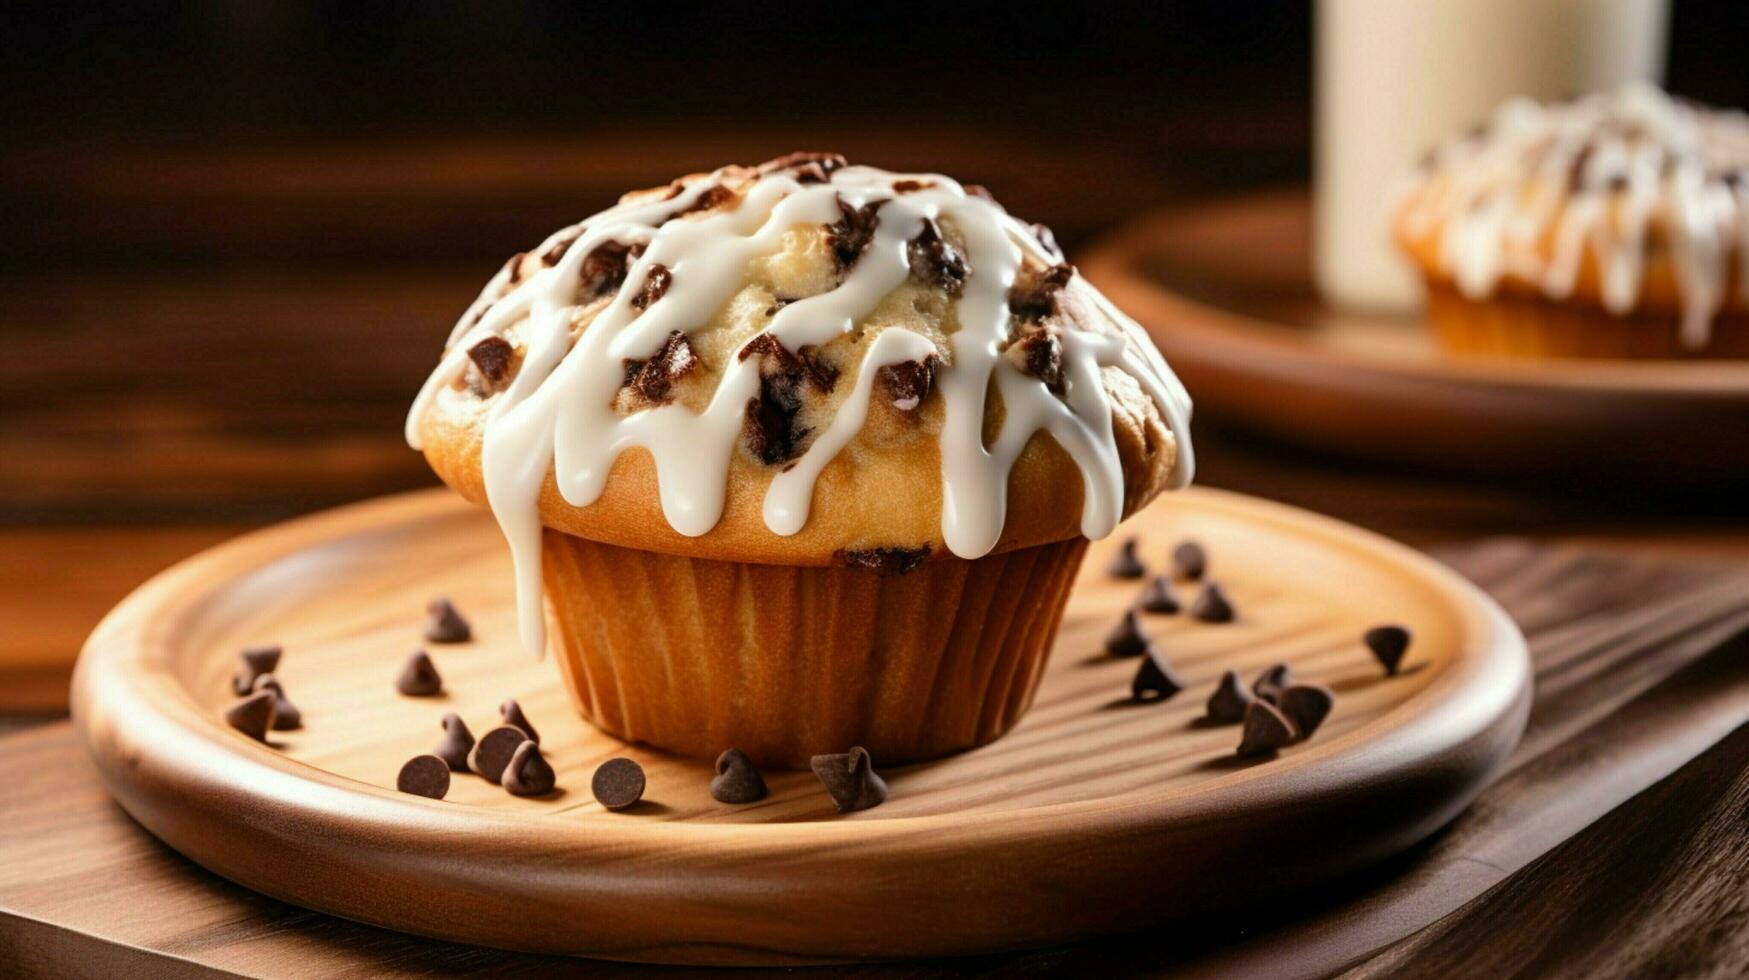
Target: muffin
x=801, y=456
x=1615, y=225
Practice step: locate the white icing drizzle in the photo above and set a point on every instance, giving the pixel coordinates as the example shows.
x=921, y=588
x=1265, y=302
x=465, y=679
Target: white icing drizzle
x=558, y=415
x=1594, y=176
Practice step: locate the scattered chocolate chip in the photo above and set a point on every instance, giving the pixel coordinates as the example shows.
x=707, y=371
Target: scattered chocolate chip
x=560, y=246
x=912, y=186
x=935, y=261
x=457, y=742
x=1041, y=355
x=882, y=561
x=1155, y=680
x=1189, y=561
x=618, y=783
x=850, y=779
x=528, y=772
x=255, y=661
x=737, y=779
x=424, y=775
x=1033, y=297
x=286, y=715
x=604, y=269
x=1212, y=605
x=908, y=382
x=1388, y=644
x=770, y=427
x=1266, y=730
x=513, y=268
x=491, y=358
x=1307, y=705
x=1048, y=239
x=443, y=624
x=1157, y=597
x=419, y=677
x=1125, y=564
x=512, y=714
x=1127, y=639
x=815, y=168
x=978, y=191
x=253, y=715
x=492, y=752
x=1227, y=704
x=850, y=235
x=654, y=379
x=655, y=287
x=1272, y=682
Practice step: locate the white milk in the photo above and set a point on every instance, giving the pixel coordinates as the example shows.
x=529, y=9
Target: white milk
x=1394, y=77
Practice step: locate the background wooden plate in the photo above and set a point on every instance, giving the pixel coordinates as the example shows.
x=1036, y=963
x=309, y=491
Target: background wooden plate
x=1093, y=815
x=1225, y=290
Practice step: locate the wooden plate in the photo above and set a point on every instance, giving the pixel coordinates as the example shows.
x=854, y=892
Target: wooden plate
x=1093, y=815
x=1225, y=290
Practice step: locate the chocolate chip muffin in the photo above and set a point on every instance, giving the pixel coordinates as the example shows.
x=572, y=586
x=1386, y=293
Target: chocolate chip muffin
x=1615, y=225
x=801, y=455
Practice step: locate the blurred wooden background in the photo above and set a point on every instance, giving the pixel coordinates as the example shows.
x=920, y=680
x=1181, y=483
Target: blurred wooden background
x=235, y=234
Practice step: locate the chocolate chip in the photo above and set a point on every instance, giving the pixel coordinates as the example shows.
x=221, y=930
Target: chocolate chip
x=1272, y=682
x=978, y=191
x=604, y=269
x=1212, y=605
x=424, y=775
x=1041, y=355
x=737, y=779
x=492, y=752
x=1048, y=239
x=1189, y=560
x=1125, y=564
x=443, y=624
x=512, y=714
x=908, y=382
x=1388, y=644
x=1266, y=730
x=419, y=677
x=1307, y=705
x=513, y=268
x=1157, y=597
x=1033, y=297
x=712, y=197
x=528, y=773
x=911, y=186
x=850, y=779
x=882, y=561
x=808, y=168
x=255, y=661
x=655, y=287
x=491, y=358
x=618, y=783
x=286, y=715
x=851, y=235
x=936, y=262
x=253, y=715
x=1155, y=679
x=560, y=246
x=457, y=742
x=770, y=428
x=1227, y=704
x=654, y=379
x=1127, y=639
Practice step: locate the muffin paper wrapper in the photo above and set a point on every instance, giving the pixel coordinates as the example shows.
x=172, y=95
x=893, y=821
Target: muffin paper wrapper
x=785, y=662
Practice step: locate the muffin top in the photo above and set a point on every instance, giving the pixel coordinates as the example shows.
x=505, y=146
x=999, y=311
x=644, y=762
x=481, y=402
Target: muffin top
x=1628, y=198
x=804, y=363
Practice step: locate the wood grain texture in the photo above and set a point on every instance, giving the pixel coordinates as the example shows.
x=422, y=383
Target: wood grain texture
x=77, y=876
x=960, y=859
x=1225, y=291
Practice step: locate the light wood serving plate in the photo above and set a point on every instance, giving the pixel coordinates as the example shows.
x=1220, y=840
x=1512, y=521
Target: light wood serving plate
x=1094, y=815
x=1225, y=290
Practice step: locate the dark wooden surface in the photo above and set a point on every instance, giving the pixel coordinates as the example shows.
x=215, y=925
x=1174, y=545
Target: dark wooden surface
x=1617, y=827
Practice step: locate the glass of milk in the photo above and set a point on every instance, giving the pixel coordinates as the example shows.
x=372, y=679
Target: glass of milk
x=1395, y=77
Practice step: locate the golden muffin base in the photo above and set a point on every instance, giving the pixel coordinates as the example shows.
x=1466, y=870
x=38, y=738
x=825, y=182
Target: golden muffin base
x=695, y=656
x=1529, y=326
